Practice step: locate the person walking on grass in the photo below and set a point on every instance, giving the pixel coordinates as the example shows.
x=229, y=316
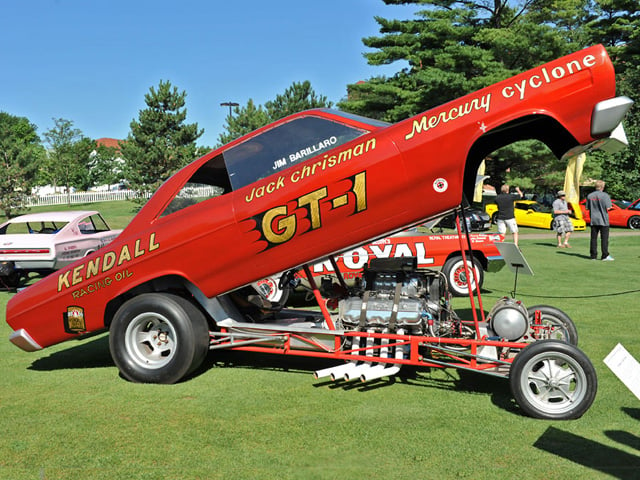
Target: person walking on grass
x=599, y=203
x=506, y=216
x=561, y=221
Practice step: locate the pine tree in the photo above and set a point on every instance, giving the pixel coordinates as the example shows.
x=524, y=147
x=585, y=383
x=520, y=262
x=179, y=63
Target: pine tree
x=296, y=98
x=159, y=142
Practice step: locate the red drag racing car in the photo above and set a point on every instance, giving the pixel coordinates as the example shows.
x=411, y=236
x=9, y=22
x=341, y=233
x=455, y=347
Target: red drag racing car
x=176, y=282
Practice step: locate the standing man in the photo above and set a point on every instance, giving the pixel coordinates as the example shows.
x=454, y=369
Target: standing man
x=561, y=221
x=599, y=204
x=506, y=216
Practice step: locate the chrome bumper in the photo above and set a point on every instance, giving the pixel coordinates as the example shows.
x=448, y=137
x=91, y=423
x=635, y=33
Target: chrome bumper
x=23, y=340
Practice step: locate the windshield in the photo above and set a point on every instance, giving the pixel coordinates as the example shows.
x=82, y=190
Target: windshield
x=283, y=146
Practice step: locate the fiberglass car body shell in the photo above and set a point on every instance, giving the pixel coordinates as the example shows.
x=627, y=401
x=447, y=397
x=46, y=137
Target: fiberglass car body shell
x=529, y=213
x=283, y=203
x=47, y=241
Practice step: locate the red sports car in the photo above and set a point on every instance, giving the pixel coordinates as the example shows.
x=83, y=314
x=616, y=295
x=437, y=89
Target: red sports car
x=177, y=282
x=620, y=215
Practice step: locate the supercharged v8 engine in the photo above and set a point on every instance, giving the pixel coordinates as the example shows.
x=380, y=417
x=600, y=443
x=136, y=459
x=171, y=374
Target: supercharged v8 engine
x=395, y=296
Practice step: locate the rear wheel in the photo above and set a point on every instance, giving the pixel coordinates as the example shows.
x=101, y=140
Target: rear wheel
x=559, y=325
x=553, y=380
x=456, y=275
x=634, y=222
x=158, y=338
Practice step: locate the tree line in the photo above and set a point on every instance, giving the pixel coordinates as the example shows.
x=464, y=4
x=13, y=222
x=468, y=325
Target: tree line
x=448, y=49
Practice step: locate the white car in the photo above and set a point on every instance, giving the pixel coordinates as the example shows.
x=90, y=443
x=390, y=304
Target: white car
x=44, y=242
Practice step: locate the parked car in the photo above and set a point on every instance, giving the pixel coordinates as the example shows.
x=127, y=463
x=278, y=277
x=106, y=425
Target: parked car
x=432, y=251
x=176, y=282
x=45, y=242
x=619, y=215
x=477, y=220
x=530, y=213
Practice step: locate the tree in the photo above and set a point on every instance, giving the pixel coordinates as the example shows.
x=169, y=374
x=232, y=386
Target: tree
x=621, y=171
x=296, y=98
x=451, y=48
x=242, y=121
x=105, y=166
x=68, y=156
x=159, y=143
x=20, y=154
x=454, y=47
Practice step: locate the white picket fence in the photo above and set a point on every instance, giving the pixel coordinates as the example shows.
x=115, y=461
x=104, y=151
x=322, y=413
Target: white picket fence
x=80, y=197
x=109, y=196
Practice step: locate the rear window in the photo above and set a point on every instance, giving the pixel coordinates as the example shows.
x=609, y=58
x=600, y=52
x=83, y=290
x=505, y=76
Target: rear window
x=32, y=227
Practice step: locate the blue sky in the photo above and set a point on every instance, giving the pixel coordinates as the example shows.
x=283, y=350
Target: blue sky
x=92, y=61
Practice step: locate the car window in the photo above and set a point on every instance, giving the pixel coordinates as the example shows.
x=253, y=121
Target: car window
x=209, y=181
x=92, y=224
x=47, y=228
x=260, y=156
x=283, y=146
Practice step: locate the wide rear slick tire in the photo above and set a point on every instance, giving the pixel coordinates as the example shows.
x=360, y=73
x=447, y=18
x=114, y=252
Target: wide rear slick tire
x=553, y=380
x=158, y=338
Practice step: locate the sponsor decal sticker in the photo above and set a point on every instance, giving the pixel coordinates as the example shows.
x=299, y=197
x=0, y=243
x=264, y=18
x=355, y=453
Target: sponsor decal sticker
x=73, y=320
x=440, y=185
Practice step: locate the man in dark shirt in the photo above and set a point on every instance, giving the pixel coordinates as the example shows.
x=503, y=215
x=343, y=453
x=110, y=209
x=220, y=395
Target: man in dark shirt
x=599, y=203
x=506, y=216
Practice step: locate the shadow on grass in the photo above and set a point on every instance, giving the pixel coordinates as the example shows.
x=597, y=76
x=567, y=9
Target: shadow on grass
x=92, y=354
x=95, y=354
x=594, y=455
x=430, y=378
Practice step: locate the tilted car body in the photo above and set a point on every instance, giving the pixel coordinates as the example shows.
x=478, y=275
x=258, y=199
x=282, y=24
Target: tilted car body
x=48, y=241
x=619, y=216
x=530, y=213
x=176, y=282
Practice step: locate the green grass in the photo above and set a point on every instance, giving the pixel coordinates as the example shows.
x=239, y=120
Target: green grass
x=66, y=414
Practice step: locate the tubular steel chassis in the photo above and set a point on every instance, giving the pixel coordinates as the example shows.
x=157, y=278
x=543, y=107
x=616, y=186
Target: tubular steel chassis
x=423, y=351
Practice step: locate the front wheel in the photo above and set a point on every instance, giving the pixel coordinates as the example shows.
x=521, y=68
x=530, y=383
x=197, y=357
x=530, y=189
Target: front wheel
x=158, y=338
x=553, y=380
x=634, y=222
x=556, y=324
x=456, y=275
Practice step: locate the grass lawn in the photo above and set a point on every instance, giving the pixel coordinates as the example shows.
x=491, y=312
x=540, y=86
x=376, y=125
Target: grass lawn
x=66, y=414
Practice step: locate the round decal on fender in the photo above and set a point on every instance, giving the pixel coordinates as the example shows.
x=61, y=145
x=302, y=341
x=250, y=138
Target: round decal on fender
x=440, y=185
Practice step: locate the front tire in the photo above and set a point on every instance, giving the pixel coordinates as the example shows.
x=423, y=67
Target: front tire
x=158, y=338
x=456, y=275
x=558, y=324
x=553, y=380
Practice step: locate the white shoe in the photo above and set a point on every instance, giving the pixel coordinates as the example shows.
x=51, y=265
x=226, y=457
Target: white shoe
x=608, y=258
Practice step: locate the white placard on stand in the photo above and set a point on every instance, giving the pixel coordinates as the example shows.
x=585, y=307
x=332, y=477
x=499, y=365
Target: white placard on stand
x=625, y=367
